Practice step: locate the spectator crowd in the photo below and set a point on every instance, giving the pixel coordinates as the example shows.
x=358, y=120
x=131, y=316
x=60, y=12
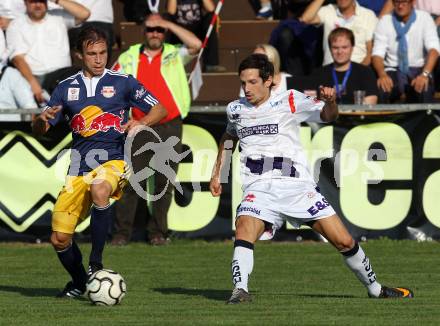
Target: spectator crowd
x=397, y=41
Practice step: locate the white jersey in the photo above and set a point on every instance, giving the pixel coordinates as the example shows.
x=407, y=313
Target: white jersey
x=269, y=135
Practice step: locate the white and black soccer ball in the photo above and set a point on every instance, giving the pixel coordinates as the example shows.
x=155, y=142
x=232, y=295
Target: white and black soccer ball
x=106, y=288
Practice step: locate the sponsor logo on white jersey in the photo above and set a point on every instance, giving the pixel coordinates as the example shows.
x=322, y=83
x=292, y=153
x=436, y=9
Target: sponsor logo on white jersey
x=235, y=107
x=276, y=103
x=269, y=129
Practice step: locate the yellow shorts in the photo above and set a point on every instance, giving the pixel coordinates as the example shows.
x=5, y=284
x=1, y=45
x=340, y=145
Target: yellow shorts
x=74, y=201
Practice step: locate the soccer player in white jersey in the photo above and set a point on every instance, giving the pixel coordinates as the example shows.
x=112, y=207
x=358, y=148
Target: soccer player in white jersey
x=277, y=185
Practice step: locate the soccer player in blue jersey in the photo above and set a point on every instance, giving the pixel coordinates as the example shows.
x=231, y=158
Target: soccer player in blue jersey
x=96, y=103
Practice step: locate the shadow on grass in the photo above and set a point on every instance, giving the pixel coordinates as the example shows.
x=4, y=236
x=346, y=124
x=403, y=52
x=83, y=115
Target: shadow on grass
x=322, y=296
x=30, y=292
x=223, y=295
x=218, y=295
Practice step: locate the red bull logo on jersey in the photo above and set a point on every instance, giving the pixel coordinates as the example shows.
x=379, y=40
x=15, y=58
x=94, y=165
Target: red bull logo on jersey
x=92, y=119
x=108, y=91
x=78, y=123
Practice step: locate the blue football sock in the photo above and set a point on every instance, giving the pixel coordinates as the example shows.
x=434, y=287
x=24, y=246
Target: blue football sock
x=100, y=223
x=71, y=259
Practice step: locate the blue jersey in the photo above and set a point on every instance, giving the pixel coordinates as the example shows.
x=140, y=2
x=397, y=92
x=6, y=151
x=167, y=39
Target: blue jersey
x=95, y=113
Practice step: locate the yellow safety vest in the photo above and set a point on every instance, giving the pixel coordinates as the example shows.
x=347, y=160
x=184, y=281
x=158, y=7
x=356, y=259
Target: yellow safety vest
x=171, y=68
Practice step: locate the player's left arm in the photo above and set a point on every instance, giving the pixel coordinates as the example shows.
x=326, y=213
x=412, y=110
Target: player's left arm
x=156, y=113
x=147, y=102
x=330, y=110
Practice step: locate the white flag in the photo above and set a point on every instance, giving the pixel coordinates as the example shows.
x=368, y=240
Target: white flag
x=196, y=80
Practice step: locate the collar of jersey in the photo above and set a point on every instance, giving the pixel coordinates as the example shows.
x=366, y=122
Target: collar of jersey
x=94, y=77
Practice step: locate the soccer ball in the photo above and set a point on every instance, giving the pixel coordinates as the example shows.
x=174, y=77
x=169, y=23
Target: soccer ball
x=106, y=288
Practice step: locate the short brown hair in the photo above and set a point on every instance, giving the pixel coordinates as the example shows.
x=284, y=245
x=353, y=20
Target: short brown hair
x=90, y=35
x=258, y=61
x=340, y=31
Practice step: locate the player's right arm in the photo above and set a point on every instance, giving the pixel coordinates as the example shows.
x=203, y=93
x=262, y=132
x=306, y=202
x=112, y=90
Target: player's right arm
x=228, y=142
x=227, y=145
x=41, y=123
x=51, y=115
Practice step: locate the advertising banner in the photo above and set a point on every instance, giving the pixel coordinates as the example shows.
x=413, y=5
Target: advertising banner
x=381, y=173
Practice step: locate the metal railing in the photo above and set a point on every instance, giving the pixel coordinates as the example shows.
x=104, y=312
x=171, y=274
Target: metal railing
x=26, y=114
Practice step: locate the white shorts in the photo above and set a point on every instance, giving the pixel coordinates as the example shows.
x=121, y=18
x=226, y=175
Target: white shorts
x=278, y=200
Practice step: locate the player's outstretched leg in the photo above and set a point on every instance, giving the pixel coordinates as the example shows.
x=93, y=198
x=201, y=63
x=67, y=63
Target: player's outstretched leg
x=334, y=230
x=71, y=259
x=101, y=216
x=248, y=230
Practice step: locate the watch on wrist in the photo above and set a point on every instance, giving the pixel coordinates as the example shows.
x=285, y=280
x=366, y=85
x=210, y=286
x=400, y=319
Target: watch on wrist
x=427, y=74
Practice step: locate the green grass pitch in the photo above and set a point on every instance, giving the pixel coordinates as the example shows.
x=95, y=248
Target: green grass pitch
x=187, y=283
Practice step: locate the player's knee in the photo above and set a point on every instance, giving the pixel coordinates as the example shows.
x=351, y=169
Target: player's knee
x=344, y=243
x=60, y=241
x=100, y=194
x=248, y=228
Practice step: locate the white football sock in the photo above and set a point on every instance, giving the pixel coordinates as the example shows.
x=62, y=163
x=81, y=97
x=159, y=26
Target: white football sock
x=242, y=263
x=359, y=263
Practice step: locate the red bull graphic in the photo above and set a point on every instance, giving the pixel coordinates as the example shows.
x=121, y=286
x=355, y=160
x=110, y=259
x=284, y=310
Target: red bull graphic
x=108, y=91
x=78, y=123
x=92, y=119
x=106, y=121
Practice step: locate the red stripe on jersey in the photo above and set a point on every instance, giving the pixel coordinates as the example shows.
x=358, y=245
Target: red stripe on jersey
x=292, y=102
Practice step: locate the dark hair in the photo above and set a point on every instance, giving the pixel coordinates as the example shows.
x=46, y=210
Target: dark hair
x=90, y=35
x=258, y=61
x=340, y=31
